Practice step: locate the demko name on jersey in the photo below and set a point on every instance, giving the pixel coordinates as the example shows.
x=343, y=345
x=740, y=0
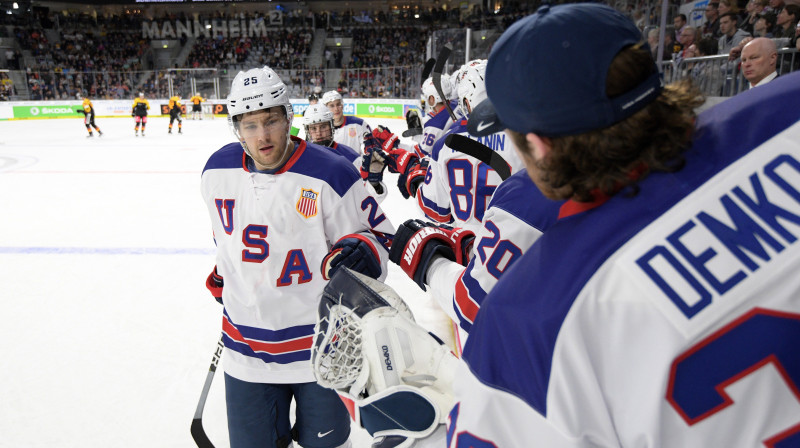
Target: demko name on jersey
x=736, y=227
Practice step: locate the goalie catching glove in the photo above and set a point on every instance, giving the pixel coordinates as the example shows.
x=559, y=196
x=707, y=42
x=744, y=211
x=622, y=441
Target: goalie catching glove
x=368, y=348
x=416, y=242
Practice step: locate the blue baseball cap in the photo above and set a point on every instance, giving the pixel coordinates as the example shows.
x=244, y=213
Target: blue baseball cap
x=547, y=73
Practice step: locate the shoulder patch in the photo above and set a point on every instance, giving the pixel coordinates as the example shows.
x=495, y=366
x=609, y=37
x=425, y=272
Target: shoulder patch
x=307, y=203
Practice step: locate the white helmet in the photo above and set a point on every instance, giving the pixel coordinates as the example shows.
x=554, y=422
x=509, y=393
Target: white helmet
x=429, y=90
x=317, y=113
x=253, y=90
x=330, y=96
x=257, y=89
x=471, y=87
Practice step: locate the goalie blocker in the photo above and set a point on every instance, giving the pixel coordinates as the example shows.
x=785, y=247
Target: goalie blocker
x=368, y=348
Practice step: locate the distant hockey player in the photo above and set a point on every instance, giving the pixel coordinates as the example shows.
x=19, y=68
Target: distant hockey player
x=197, y=106
x=87, y=108
x=318, y=125
x=175, y=112
x=286, y=214
x=348, y=130
x=139, y=112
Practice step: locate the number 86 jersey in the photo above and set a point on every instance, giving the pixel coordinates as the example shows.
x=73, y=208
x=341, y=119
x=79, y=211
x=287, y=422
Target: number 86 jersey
x=458, y=187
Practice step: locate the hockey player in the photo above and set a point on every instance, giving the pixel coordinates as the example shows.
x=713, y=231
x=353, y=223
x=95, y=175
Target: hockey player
x=286, y=214
x=197, y=105
x=460, y=281
x=139, y=112
x=661, y=308
x=348, y=130
x=318, y=125
x=175, y=111
x=437, y=117
x=649, y=313
x=450, y=186
x=87, y=108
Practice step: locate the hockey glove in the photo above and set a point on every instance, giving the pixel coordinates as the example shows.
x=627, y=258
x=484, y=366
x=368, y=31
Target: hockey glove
x=416, y=175
x=416, y=242
x=373, y=162
x=387, y=140
x=368, y=348
x=354, y=253
x=214, y=284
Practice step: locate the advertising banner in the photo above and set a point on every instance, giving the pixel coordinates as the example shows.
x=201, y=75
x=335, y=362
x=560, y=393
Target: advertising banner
x=47, y=111
x=380, y=110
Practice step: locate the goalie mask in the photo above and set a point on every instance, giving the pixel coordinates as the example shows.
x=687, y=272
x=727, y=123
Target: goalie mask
x=254, y=90
x=318, y=124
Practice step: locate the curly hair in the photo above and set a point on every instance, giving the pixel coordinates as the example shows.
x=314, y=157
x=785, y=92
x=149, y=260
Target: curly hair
x=652, y=139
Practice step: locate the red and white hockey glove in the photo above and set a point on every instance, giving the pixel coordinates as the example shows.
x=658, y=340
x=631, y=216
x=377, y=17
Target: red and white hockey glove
x=354, y=253
x=214, y=284
x=398, y=159
x=416, y=242
x=415, y=176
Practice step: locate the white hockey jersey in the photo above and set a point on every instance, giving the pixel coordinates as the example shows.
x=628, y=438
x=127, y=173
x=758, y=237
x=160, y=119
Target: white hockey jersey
x=666, y=319
x=436, y=124
x=518, y=213
x=272, y=232
x=457, y=187
x=351, y=133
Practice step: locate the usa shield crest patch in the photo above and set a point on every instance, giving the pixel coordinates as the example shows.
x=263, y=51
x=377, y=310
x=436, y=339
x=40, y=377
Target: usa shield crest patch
x=307, y=204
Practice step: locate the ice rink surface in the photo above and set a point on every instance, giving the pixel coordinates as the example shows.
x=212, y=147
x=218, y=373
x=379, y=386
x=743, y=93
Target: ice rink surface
x=108, y=329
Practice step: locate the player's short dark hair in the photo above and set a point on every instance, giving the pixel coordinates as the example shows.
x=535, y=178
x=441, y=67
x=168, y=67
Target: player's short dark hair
x=652, y=139
x=734, y=17
x=683, y=17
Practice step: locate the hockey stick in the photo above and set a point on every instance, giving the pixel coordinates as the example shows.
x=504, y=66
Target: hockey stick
x=426, y=70
x=480, y=151
x=437, y=78
x=198, y=433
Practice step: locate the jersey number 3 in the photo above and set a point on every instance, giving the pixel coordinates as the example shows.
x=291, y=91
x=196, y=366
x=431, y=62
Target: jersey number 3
x=699, y=377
